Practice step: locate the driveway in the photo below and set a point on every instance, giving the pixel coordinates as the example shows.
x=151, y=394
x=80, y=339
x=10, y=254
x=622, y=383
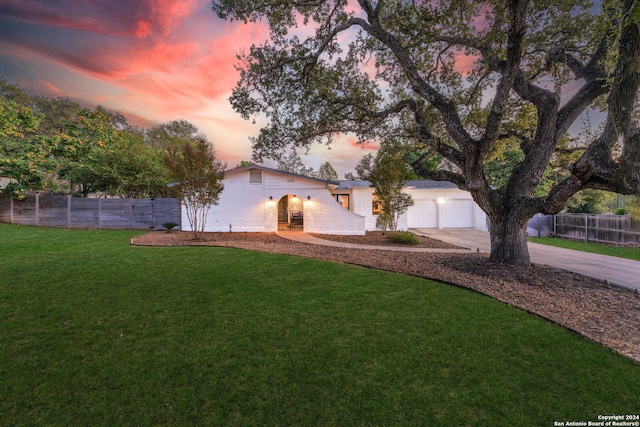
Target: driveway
x=617, y=271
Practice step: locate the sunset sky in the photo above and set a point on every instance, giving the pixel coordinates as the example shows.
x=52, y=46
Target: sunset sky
x=152, y=60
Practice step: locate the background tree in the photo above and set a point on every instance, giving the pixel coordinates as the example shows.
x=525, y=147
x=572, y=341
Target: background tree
x=327, y=172
x=449, y=77
x=198, y=178
x=24, y=155
x=292, y=163
x=126, y=167
x=244, y=163
x=79, y=144
x=363, y=169
x=166, y=135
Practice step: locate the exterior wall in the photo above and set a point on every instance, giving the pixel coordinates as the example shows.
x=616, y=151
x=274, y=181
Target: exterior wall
x=324, y=215
x=243, y=206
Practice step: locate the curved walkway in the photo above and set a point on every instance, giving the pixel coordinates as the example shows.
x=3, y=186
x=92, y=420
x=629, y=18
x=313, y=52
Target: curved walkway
x=616, y=271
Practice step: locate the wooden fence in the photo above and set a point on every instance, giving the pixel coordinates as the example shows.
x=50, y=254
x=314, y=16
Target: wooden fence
x=49, y=210
x=616, y=229
x=540, y=226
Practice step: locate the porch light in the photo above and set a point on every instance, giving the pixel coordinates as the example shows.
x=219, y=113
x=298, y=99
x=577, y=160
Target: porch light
x=308, y=197
x=271, y=198
x=440, y=200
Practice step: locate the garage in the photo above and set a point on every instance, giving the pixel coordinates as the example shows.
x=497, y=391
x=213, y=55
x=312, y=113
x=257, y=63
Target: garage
x=457, y=214
x=423, y=214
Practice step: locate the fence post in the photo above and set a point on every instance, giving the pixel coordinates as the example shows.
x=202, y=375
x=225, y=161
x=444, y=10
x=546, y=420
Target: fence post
x=586, y=227
x=11, y=210
x=68, y=210
x=99, y=212
x=37, y=208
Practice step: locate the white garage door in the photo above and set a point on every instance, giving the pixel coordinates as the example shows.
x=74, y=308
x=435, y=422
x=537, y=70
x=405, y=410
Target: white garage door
x=423, y=214
x=457, y=214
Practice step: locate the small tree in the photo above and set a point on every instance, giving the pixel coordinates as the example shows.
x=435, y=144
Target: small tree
x=198, y=175
x=388, y=176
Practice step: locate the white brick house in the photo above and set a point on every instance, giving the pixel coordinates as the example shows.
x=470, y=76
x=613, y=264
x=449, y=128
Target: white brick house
x=257, y=198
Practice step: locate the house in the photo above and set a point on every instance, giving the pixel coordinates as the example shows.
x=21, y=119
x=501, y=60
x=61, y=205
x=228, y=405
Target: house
x=260, y=199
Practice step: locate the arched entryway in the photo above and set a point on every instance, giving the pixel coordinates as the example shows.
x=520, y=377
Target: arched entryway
x=290, y=213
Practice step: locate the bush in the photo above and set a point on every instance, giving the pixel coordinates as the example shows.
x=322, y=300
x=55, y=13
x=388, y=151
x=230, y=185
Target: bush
x=169, y=225
x=404, y=238
x=619, y=211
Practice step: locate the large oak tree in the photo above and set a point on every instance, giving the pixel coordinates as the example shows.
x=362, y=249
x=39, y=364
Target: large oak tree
x=447, y=78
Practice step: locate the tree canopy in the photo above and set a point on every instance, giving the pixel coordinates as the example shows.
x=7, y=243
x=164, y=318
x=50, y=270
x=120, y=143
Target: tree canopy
x=55, y=144
x=449, y=79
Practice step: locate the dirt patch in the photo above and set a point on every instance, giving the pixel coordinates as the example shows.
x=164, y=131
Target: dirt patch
x=605, y=314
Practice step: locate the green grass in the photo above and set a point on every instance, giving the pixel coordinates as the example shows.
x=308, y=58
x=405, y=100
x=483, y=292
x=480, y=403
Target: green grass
x=596, y=248
x=96, y=332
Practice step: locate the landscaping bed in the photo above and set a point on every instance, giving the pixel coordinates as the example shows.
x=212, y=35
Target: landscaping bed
x=606, y=314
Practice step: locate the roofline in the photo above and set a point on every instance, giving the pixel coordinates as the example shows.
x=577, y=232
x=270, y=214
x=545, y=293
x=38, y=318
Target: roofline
x=264, y=168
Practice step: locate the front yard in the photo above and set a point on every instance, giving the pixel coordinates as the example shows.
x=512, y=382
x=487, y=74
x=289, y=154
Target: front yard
x=97, y=332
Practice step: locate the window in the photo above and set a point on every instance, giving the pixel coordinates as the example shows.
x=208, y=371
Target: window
x=343, y=199
x=255, y=176
x=376, y=205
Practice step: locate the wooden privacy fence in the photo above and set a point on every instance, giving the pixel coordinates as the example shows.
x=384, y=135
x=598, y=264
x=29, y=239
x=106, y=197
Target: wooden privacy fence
x=49, y=210
x=616, y=229
x=540, y=226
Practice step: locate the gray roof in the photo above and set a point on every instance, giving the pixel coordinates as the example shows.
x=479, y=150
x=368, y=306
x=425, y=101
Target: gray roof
x=414, y=183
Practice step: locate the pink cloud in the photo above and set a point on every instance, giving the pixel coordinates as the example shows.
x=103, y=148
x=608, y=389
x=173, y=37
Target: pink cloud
x=52, y=88
x=139, y=19
x=353, y=142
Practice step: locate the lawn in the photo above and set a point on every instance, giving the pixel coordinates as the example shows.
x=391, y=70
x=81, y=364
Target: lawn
x=596, y=248
x=97, y=332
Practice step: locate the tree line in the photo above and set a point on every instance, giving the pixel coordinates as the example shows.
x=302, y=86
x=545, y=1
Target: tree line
x=58, y=145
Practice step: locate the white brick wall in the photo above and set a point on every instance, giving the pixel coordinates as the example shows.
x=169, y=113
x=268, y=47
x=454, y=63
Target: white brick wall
x=247, y=207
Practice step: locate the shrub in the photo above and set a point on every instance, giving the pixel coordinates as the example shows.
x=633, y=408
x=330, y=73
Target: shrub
x=619, y=211
x=169, y=225
x=404, y=238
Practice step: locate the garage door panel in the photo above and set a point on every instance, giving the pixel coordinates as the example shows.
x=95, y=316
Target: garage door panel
x=423, y=214
x=457, y=214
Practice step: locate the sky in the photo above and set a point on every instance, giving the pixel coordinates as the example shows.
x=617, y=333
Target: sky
x=154, y=61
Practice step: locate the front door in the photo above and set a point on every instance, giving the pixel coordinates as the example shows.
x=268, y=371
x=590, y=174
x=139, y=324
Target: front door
x=290, y=213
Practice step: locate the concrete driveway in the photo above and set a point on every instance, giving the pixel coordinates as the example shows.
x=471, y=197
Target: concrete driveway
x=617, y=271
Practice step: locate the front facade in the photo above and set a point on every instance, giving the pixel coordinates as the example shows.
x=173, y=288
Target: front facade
x=260, y=199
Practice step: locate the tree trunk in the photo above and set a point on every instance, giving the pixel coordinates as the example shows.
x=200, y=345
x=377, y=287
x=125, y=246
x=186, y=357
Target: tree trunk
x=509, y=240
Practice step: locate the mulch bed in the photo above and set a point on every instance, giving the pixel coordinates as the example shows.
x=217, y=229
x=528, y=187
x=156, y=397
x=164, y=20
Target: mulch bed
x=605, y=314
